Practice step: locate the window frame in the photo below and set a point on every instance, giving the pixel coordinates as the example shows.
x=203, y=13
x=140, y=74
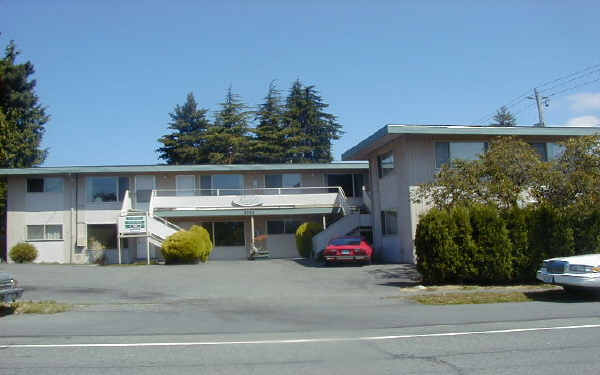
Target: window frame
x=389, y=228
x=44, y=233
x=448, y=144
x=119, y=192
x=45, y=185
x=381, y=161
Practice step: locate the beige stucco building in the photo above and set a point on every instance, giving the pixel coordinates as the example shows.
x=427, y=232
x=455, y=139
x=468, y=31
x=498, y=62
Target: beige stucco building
x=123, y=213
x=403, y=156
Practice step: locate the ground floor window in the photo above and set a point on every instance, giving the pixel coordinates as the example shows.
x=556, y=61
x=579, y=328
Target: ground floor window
x=389, y=222
x=101, y=236
x=229, y=233
x=286, y=226
x=44, y=232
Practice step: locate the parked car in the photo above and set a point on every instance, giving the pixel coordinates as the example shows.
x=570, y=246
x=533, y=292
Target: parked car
x=348, y=249
x=9, y=290
x=572, y=273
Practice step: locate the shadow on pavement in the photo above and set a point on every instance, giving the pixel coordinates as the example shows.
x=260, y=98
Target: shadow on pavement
x=559, y=295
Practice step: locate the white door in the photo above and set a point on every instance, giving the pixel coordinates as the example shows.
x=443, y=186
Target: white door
x=143, y=191
x=185, y=185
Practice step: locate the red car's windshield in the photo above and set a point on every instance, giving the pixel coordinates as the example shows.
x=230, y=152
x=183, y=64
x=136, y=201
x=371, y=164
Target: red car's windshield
x=345, y=241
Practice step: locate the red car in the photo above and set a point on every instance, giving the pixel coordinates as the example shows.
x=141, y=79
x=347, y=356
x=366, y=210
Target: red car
x=348, y=249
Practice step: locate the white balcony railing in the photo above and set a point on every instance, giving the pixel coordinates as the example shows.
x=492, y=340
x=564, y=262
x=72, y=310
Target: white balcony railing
x=331, y=196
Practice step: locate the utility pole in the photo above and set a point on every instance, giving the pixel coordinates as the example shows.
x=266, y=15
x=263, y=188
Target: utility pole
x=538, y=99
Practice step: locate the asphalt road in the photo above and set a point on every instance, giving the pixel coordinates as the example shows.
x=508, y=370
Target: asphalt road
x=282, y=317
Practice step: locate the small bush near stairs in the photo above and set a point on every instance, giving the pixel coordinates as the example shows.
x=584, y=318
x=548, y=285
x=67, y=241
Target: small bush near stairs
x=187, y=246
x=304, y=235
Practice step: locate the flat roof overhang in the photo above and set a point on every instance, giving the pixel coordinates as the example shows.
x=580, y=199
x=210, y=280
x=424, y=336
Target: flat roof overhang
x=221, y=168
x=250, y=211
x=390, y=132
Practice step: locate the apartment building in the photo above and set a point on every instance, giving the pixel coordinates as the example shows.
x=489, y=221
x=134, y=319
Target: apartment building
x=123, y=213
x=403, y=156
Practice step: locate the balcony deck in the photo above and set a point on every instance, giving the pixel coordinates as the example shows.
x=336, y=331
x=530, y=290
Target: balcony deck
x=245, y=202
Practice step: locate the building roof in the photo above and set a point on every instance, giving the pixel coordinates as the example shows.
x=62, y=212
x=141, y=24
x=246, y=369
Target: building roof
x=388, y=132
x=336, y=166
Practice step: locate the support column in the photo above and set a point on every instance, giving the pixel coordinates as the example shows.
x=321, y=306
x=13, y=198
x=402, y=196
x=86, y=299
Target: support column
x=148, y=247
x=324, y=223
x=119, y=246
x=252, y=231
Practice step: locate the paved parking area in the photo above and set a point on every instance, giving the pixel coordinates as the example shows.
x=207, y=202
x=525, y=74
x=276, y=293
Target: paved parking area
x=280, y=279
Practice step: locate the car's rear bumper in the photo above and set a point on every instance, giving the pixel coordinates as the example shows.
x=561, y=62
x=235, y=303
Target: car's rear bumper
x=10, y=295
x=583, y=280
x=346, y=258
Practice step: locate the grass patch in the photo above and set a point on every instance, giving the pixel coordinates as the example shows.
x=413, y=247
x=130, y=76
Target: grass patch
x=470, y=298
x=30, y=307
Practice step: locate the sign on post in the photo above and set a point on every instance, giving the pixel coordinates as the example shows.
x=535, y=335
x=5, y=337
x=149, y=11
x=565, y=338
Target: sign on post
x=134, y=224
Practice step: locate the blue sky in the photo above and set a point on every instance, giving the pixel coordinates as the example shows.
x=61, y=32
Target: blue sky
x=110, y=71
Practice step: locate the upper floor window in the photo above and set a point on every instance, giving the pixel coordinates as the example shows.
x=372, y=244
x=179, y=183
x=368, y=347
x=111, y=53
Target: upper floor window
x=447, y=151
x=540, y=148
x=228, y=184
x=385, y=164
x=288, y=180
x=106, y=188
x=351, y=183
x=45, y=185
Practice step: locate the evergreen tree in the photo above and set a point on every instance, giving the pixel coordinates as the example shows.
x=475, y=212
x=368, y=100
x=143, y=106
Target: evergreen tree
x=504, y=117
x=308, y=129
x=268, y=146
x=187, y=143
x=23, y=116
x=227, y=140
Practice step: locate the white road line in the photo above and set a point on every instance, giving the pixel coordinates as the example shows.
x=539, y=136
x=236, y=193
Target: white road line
x=296, y=341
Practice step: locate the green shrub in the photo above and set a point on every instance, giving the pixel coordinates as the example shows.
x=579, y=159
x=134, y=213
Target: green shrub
x=460, y=221
x=586, y=230
x=438, y=256
x=493, y=258
x=304, y=235
x=189, y=246
x=517, y=224
x=23, y=252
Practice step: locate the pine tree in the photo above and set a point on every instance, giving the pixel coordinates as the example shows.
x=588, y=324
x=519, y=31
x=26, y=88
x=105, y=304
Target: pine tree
x=504, y=117
x=309, y=130
x=187, y=143
x=23, y=116
x=227, y=140
x=268, y=146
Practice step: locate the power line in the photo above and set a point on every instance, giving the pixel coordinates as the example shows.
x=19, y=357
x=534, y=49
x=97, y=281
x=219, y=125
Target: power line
x=574, y=87
x=568, y=75
x=578, y=77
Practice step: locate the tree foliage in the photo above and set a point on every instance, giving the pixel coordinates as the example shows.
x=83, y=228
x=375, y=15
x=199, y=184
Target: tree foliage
x=500, y=176
x=187, y=143
x=504, y=117
x=297, y=131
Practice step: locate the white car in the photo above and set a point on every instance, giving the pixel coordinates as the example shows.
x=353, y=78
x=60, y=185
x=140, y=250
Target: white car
x=572, y=273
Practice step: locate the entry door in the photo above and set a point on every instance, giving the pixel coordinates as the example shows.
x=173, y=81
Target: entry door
x=143, y=190
x=185, y=185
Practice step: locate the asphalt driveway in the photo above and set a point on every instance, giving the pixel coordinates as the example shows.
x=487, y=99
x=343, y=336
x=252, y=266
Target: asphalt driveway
x=280, y=279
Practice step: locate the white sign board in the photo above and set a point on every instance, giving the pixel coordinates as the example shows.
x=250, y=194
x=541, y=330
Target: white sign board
x=134, y=224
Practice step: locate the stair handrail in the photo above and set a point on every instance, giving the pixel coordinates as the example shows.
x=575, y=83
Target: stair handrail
x=126, y=203
x=166, y=222
x=343, y=201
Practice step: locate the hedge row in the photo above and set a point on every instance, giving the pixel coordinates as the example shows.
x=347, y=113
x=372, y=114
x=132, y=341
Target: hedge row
x=484, y=244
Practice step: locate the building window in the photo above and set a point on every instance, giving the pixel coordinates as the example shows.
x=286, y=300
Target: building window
x=351, y=183
x=555, y=150
x=101, y=236
x=44, y=232
x=228, y=184
x=106, y=189
x=447, y=151
x=229, y=234
x=282, y=226
x=288, y=180
x=540, y=148
x=389, y=222
x=385, y=164
x=45, y=185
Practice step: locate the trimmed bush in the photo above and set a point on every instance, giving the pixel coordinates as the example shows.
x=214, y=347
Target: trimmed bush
x=186, y=247
x=304, y=235
x=517, y=220
x=493, y=259
x=439, y=259
x=23, y=252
